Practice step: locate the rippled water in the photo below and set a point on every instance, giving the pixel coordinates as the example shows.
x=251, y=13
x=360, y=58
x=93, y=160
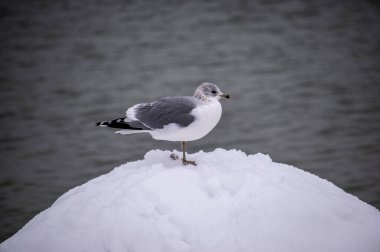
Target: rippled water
x=304, y=77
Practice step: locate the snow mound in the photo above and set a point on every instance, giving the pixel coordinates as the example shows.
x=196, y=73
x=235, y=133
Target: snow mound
x=229, y=202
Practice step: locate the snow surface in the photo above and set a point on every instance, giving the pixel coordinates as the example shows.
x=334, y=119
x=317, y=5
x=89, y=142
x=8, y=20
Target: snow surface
x=229, y=202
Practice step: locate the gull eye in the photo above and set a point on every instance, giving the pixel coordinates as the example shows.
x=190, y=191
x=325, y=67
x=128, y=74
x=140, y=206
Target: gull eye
x=213, y=91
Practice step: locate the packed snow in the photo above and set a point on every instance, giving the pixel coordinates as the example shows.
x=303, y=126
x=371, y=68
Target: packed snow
x=229, y=202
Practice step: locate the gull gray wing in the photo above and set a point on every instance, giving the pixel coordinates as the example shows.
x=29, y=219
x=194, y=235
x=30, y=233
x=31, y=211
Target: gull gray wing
x=164, y=111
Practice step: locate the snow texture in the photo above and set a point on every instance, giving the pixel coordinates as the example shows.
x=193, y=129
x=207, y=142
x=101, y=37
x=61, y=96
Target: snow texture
x=229, y=202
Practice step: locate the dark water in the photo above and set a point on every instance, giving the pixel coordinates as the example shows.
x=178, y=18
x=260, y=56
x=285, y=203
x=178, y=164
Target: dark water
x=304, y=77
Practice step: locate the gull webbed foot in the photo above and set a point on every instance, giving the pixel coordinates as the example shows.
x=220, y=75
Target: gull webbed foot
x=186, y=162
x=174, y=156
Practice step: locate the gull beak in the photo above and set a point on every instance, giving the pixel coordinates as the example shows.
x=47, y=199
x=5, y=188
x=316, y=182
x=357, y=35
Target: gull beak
x=225, y=96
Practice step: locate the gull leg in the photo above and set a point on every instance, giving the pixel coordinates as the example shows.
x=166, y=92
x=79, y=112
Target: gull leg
x=183, y=144
x=184, y=161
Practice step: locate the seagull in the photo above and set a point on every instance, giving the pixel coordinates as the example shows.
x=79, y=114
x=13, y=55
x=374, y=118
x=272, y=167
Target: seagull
x=176, y=118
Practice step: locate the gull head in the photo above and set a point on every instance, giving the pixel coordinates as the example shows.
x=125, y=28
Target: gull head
x=208, y=92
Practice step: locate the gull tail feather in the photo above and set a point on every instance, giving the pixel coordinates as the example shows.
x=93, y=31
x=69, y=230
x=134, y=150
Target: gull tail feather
x=127, y=132
x=125, y=125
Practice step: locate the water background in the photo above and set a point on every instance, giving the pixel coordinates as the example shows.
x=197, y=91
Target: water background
x=304, y=77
